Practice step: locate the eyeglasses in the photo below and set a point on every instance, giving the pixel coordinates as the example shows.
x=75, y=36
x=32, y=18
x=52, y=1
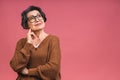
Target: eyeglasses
x=35, y=18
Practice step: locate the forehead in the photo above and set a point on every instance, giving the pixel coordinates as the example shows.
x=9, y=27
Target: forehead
x=33, y=13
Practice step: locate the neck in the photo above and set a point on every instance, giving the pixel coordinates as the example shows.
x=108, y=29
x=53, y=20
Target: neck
x=40, y=33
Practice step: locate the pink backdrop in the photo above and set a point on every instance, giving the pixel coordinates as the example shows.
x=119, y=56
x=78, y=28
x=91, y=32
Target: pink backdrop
x=89, y=32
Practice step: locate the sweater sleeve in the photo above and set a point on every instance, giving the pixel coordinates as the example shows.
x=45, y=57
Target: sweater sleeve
x=21, y=56
x=51, y=69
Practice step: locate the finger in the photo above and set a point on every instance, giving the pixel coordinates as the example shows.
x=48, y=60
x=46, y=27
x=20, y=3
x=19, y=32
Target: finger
x=29, y=31
x=33, y=34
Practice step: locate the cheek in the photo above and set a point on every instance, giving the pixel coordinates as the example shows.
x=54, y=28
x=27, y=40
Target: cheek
x=30, y=25
x=43, y=24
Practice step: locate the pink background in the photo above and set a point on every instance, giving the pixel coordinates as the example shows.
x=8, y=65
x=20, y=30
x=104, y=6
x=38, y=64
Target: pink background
x=89, y=31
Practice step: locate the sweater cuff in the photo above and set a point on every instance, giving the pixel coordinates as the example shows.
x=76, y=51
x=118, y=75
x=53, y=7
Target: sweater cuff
x=32, y=72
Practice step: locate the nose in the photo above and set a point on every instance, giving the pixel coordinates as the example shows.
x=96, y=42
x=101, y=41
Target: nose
x=37, y=19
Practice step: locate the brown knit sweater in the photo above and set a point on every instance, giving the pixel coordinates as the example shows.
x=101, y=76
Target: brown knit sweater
x=43, y=63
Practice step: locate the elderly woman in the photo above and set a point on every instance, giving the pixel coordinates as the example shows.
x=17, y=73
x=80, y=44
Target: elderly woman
x=37, y=56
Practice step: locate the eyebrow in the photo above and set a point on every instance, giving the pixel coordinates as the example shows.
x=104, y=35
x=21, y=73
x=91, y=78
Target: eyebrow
x=35, y=15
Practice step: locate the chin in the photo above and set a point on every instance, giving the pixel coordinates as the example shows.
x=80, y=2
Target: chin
x=37, y=29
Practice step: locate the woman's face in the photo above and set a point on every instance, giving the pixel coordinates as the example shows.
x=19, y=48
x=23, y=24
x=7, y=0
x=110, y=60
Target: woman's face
x=35, y=20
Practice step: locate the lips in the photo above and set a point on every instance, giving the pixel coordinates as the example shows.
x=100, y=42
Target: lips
x=38, y=24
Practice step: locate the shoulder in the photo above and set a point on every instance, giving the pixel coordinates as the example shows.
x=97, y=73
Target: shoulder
x=21, y=42
x=54, y=40
x=54, y=37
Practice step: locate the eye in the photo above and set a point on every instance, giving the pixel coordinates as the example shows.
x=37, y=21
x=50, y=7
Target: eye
x=39, y=15
x=30, y=18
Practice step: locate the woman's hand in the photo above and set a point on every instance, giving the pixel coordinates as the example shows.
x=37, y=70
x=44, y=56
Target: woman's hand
x=25, y=71
x=33, y=39
x=29, y=36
